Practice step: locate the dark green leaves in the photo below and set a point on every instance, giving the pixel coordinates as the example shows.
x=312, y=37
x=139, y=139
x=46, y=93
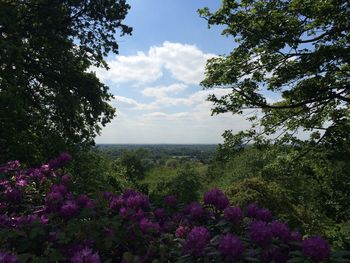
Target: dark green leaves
x=295, y=52
x=49, y=99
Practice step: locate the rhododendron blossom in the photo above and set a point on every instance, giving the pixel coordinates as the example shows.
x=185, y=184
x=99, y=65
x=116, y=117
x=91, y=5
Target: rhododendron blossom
x=50, y=222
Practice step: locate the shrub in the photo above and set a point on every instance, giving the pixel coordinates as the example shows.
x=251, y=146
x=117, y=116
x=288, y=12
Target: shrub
x=42, y=220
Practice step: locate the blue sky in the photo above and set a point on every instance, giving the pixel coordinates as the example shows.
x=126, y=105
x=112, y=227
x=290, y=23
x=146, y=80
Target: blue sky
x=155, y=78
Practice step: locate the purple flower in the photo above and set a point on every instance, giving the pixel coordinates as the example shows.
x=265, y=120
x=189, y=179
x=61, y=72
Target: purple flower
x=59, y=188
x=85, y=255
x=264, y=215
x=146, y=225
x=123, y=212
x=21, y=182
x=260, y=233
x=137, y=201
x=295, y=236
x=316, y=248
x=159, y=213
x=197, y=240
x=195, y=210
x=53, y=201
x=254, y=211
x=181, y=231
x=116, y=202
x=10, y=166
x=107, y=195
x=85, y=202
x=44, y=168
x=233, y=214
x=36, y=174
x=167, y=226
x=66, y=179
x=280, y=230
x=69, y=209
x=44, y=220
x=14, y=195
x=138, y=215
x=129, y=192
x=216, y=198
x=60, y=161
x=170, y=200
x=7, y=258
x=231, y=247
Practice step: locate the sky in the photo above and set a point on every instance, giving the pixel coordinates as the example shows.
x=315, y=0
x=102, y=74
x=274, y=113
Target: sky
x=155, y=77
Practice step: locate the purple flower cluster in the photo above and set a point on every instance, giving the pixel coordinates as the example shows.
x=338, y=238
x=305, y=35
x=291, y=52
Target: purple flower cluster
x=85, y=255
x=260, y=233
x=13, y=195
x=181, y=231
x=134, y=200
x=254, y=211
x=280, y=230
x=197, y=240
x=170, y=200
x=10, y=166
x=69, y=209
x=7, y=258
x=195, y=210
x=146, y=225
x=316, y=248
x=127, y=224
x=231, y=247
x=216, y=198
x=60, y=161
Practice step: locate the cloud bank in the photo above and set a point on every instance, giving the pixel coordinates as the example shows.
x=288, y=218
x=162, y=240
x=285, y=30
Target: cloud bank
x=160, y=112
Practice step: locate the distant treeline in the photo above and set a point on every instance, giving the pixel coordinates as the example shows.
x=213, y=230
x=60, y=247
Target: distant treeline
x=157, y=152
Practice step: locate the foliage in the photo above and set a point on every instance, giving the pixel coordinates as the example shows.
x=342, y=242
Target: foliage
x=159, y=153
x=46, y=90
x=134, y=163
x=94, y=173
x=184, y=182
x=293, y=53
x=43, y=221
x=309, y=192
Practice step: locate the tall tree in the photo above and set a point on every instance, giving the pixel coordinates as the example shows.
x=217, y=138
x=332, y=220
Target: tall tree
x=48, y=98
x=291, y=61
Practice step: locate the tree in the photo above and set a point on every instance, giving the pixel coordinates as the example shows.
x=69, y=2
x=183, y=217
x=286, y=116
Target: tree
x=291, y=63
x=49, y=99
x=135, y=164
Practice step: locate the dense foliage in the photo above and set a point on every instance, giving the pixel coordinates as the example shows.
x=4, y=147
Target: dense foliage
x=291, y=61
x=46, y=90
x=43, y=220
x=160, y=153
x=289, y=73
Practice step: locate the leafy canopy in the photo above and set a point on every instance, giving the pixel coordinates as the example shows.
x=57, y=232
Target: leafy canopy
x=291, y=61
x=47, y=94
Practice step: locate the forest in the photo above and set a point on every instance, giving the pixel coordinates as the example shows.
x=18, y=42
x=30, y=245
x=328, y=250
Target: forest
x=277, y=191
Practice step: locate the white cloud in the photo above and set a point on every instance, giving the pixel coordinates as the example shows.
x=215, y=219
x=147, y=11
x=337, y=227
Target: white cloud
x=162, y=91
x=121, y=102
x=163, y=100
x=137, y=68
x=185, y=62
x=193, y=126
x=165, y=114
